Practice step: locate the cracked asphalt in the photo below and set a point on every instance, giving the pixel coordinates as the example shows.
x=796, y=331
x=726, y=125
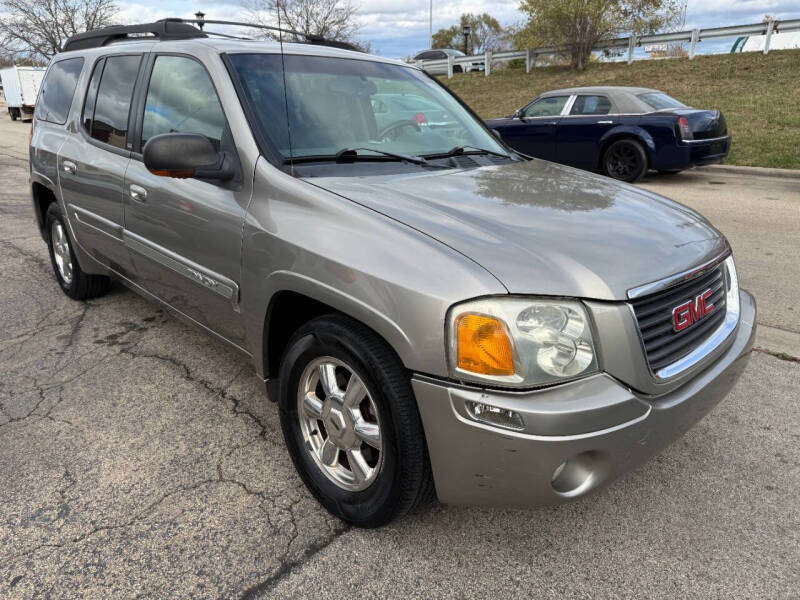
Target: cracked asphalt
x=139, y=458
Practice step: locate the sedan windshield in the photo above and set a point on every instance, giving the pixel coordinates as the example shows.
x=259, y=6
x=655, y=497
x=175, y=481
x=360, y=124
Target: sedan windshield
x=333, y=104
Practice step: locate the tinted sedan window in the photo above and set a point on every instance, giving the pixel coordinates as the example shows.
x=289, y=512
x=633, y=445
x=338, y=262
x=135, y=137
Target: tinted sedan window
x=546, y=107
x=58, y=88
x=591, y=105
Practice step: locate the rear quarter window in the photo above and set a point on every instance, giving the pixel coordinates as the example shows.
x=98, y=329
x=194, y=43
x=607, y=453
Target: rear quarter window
x=58, y=89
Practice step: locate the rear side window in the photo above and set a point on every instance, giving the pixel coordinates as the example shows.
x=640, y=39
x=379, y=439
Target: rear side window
x=182, y=99
x=55, y=98
x=591, y=105
x=110, y=123
x=91, y=95
x=659, y=100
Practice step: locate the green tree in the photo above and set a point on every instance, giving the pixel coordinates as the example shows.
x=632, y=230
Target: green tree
x=486, y=34
x=578, y=25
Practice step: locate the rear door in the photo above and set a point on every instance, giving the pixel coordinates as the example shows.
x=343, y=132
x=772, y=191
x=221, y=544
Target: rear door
x=185, y=235
x=93, y=160
x=579, y=132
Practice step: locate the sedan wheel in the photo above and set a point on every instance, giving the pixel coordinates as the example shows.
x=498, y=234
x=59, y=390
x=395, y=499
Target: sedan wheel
x=625, y=160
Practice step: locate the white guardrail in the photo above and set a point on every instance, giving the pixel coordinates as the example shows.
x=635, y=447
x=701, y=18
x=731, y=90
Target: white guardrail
x=631, y=43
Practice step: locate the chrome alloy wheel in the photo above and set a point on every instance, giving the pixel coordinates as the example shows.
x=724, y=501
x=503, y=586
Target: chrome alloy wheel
x=61, y=252
x=340, y=424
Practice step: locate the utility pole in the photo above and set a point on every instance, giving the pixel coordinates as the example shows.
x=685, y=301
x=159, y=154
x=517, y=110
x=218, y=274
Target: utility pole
x=430, y=24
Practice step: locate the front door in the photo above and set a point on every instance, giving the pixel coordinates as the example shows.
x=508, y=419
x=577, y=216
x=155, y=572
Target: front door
x=533, y=132
x=185, y=235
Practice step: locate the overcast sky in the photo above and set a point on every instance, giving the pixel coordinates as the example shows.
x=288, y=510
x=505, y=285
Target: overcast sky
x=399, y=28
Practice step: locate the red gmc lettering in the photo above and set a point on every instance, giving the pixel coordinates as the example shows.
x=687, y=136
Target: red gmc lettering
x=688, y=313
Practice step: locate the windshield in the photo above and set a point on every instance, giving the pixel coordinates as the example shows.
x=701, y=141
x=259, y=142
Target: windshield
x=339, y=103
x=659, y=100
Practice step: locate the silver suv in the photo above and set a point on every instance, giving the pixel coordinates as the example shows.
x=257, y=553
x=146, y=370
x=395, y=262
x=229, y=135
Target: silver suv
x=429, y=310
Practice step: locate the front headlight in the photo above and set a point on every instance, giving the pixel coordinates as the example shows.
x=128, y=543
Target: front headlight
x=520, y=342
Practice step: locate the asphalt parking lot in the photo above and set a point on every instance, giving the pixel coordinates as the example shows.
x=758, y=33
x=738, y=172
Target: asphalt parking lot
x=139, y=458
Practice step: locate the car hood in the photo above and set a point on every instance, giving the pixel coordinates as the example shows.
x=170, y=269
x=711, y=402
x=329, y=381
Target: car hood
x=543, y=228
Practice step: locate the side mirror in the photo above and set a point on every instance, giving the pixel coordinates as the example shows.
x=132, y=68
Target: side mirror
x=185, y=155
x=517, y=114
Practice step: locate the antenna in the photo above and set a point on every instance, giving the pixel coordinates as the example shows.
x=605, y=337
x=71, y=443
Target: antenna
x=285, y=92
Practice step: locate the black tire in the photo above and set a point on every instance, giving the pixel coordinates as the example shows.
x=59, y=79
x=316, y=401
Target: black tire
x=669, y=171
x=625, y=160
x=80, y=285
x=404, y=478
x=457, y=69
x=13, y=113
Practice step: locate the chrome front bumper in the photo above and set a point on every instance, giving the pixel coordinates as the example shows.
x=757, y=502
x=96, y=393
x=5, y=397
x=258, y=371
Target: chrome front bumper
x=578, y=436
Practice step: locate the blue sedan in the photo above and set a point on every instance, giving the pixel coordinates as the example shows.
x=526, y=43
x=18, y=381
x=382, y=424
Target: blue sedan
x=619, y=131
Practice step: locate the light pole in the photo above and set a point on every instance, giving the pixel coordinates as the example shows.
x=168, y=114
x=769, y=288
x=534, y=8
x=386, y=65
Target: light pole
x=466, y=30
x=199, y=15
x=430, y=24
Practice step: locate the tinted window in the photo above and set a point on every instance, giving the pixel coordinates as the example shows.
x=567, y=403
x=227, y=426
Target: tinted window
x=181, y=98
x=546, y=107
x=91, y=96
x=58, y=88
x=114, y=100
x=591, y=105
x=659, y=100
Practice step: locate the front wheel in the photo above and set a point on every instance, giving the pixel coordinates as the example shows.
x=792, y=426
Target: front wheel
x=625, y=160
x=351, y=424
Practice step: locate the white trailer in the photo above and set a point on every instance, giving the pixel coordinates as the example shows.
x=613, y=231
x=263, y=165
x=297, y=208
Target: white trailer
x=20, y=87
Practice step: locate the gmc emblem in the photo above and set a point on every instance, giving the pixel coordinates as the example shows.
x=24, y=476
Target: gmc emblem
x=687, y=314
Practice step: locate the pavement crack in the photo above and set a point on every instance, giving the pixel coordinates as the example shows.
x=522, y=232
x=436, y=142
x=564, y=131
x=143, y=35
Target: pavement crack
x=264, y=588
x=779, y=355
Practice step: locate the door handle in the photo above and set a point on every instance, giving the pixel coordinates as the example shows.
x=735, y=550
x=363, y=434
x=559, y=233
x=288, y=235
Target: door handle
x=69, y=167
x=605, y=122
x=138, y=193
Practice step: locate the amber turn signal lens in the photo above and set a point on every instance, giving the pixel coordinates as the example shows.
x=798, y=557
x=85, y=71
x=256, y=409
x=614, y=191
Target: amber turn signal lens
x=483, y=345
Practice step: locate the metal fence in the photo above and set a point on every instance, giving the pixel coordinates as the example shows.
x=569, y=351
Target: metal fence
x=693, y=37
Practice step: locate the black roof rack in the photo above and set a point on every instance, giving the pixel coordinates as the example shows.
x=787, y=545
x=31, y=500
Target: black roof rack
x=310, y=38
x=181, y=29
x=166, y=29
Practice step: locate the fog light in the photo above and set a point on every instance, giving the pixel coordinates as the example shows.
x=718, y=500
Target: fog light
x=492, y=415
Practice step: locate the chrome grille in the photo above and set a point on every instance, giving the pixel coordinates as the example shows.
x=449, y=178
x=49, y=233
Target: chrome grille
x=662, y=344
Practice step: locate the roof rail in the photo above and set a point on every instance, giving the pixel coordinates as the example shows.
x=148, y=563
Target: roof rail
x=311, y=38
x=166, y=29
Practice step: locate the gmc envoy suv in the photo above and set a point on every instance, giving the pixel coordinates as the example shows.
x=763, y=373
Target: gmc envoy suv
x=432, y=312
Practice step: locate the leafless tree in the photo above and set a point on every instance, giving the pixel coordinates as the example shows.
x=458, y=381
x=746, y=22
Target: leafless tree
x=331, y=19
x=37, y=28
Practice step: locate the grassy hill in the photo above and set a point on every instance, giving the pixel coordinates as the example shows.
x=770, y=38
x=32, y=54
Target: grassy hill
x=759, y=95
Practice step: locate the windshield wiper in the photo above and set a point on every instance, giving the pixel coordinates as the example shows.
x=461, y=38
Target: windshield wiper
x=458, y=150
x=346, y=154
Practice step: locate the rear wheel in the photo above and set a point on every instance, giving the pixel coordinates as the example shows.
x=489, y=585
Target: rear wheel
x=13, y=113
x=625, y=160
x=73, y=281
x=351, y=424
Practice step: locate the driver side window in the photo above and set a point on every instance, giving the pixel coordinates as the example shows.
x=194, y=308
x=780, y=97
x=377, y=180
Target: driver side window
x=182, y=99
x=546, y=107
